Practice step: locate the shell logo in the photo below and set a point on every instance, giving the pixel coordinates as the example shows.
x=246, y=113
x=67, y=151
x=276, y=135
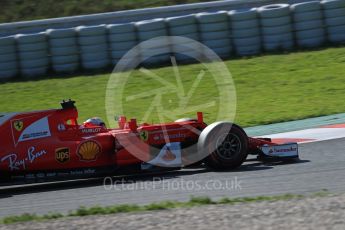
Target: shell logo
x=89, y=151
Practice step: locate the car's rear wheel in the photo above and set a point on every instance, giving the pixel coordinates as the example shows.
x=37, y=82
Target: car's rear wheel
x=225, y=144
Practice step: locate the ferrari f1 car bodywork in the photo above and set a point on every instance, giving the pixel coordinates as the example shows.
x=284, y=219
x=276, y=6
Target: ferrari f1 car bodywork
x=50, y=143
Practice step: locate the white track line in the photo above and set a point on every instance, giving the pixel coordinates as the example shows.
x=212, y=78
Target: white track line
x=316, y=134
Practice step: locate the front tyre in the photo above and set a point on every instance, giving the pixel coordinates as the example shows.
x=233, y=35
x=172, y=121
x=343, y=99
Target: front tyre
x=225, y=144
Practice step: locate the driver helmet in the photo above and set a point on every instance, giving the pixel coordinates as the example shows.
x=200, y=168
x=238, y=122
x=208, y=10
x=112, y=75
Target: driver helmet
x=94, y=121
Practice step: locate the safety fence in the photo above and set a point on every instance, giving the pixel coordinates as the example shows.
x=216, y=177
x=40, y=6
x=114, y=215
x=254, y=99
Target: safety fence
x=228, y=33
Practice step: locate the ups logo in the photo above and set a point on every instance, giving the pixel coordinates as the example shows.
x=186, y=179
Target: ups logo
x=62, y=155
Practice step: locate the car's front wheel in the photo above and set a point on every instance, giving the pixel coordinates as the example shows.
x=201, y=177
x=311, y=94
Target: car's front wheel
x=225, y=144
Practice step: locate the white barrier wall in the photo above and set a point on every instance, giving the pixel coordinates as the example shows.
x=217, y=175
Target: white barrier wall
x=244, y=32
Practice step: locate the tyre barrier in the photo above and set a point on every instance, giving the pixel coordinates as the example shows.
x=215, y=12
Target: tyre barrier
x=214, y=32
x=308, y=24
x=121, y=38
x=63, y=49
x=8, y=58
x=276, y=27
x=184, y=26
x=153, y=53
x=93, y=47
x=334, y=19
x=245, y=32
x=33, y=54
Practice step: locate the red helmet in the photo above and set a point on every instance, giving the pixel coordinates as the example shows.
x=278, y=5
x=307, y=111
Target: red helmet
x=94, y=121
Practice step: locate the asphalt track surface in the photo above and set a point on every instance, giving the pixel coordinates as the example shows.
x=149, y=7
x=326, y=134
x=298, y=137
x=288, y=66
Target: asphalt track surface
x=322, y=166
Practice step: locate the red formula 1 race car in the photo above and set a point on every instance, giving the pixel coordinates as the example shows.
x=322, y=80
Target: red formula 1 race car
x=51, y=144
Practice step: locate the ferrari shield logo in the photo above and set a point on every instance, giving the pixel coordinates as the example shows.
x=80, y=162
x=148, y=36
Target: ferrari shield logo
x=18, y=125
x=144, y=135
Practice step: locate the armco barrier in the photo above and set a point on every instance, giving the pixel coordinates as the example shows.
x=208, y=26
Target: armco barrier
x=242, y=32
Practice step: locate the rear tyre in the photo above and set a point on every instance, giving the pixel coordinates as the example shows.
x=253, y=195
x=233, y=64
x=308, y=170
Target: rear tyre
x=226, y=145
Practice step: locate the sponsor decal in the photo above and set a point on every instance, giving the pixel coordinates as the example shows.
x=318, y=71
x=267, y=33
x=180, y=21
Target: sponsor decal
x=89, y=171
x=284, y=150
x=287, y=150
x=61, y=127
x=18, y=125
x=62, y=174
x=76, y=172
x=31, y=136
x=20, y=177
x=52, y=174
x=89, y=150
x=91, y=130
x=30, y=176
x=62, y=155
x=144, y=135
x=161, y=136
x=36, y=130
x=16, y=164
x=169, y=156
x=40, y=175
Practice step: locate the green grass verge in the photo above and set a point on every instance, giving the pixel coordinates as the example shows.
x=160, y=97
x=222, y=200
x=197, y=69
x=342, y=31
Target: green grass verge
x=194, y=201
x=270, y=89
x=22, y=10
